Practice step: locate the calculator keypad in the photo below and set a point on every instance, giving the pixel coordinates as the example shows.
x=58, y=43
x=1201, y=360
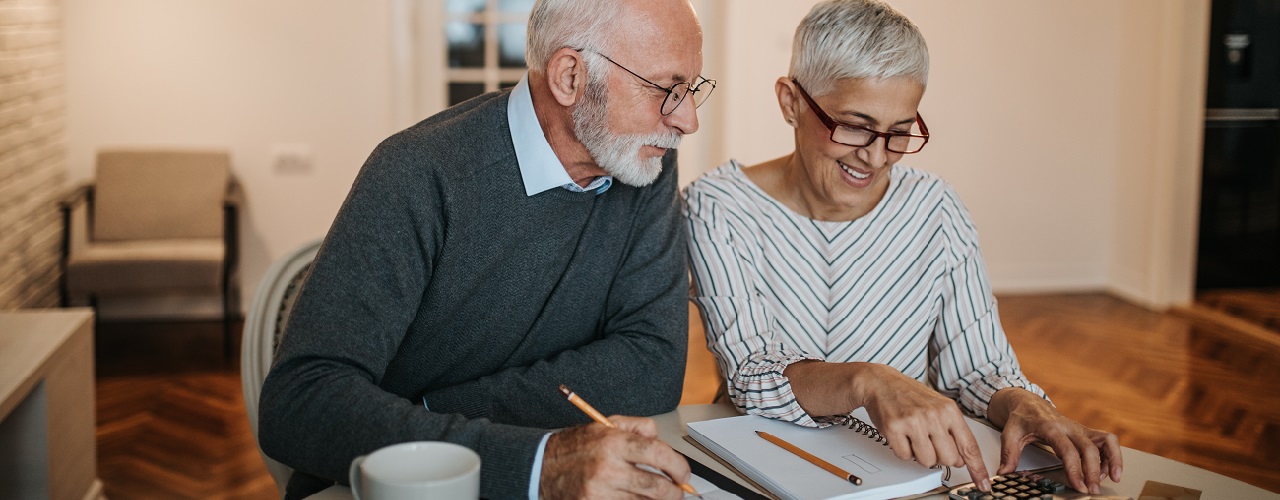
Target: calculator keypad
x=1015, y=486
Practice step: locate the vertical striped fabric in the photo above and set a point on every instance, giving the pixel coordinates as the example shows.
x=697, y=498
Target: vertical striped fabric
x=903, y=286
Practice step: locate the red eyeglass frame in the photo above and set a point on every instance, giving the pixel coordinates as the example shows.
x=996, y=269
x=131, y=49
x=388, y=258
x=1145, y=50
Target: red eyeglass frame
x=832, y=124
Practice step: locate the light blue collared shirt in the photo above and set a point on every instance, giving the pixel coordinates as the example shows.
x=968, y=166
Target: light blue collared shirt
x=539, y=166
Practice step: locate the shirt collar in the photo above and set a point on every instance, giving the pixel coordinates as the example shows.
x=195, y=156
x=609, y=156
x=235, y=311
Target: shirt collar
x=540, y=168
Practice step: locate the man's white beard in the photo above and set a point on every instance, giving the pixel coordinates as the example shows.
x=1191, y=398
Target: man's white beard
x=617, y=154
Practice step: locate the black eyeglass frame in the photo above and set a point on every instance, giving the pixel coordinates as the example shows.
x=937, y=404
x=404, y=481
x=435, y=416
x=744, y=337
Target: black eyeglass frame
x=693, y=89
x=833, y=124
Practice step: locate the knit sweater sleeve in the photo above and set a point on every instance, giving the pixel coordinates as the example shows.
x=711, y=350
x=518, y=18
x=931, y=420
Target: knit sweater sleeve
x=642, y=338
x=321, y=404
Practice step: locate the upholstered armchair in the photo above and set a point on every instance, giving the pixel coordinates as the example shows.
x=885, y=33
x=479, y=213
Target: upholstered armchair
x=154, y=222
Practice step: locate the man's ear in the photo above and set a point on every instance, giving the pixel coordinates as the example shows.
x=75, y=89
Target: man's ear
x=787, y=99
x=566, y=75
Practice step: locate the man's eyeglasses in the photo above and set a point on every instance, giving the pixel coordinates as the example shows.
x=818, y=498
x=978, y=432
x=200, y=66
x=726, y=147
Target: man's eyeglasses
x=861, y=137
x=675, y=93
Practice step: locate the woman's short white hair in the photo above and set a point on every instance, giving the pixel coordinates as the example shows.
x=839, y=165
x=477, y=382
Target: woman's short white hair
x=555, y=24
x=856, y=39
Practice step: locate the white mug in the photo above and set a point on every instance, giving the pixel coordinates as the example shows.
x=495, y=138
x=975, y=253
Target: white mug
x=414, y=470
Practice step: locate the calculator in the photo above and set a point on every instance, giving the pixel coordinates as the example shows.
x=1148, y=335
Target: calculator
x=1023, y=486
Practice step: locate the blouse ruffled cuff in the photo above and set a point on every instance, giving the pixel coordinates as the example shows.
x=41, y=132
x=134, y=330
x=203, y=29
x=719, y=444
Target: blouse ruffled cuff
x=761, y=389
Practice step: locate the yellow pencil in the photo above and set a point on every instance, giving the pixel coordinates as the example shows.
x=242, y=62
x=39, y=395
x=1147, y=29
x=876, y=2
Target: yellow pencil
x=599, y=417
x=827, y=466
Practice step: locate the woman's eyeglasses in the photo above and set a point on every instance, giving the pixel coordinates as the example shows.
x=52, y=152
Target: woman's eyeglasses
x=861, y=137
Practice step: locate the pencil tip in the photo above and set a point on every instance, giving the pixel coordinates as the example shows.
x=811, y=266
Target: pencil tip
x=565, y=390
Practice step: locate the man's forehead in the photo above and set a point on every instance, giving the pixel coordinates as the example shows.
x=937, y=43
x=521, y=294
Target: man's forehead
x=658, y=28
x=665, y=59
x=660, y=39
x=667, y=67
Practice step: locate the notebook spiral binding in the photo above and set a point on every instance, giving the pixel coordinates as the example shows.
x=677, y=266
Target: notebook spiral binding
x=857, y=425
x=866, y=430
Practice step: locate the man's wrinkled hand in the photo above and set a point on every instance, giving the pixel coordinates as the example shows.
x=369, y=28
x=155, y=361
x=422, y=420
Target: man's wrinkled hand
x=594, y=461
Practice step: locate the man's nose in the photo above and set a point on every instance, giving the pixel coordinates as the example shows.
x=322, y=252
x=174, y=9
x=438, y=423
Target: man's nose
x=684, y=118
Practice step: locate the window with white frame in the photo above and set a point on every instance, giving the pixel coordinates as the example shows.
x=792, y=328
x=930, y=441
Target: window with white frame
x=485, y=41
x=447, y=51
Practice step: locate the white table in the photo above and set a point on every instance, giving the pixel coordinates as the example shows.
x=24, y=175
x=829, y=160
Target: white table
x=47, y=438
x=1138, y=466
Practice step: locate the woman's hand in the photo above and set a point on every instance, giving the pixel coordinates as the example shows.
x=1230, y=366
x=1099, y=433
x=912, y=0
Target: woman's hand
x=922, y=424
x=918, y=422
x=1087, y=454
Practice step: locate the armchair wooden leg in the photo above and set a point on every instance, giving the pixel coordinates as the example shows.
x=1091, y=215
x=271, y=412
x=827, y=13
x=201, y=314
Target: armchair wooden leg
x=226, y=336
x=226, y=321
x=97, y=316
x=63, y=290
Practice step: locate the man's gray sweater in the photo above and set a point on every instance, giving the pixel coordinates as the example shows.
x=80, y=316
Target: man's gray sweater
x=440, y=279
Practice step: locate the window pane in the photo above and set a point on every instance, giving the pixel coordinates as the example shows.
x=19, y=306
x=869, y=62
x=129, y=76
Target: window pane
x=506, y=85
x=511, y=40
x=515, y=6
x=466, y=45
x=459, y=92
x=464, y=6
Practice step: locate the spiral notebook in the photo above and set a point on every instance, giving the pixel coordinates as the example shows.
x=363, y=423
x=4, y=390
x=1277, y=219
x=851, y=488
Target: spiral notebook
x=856, y=447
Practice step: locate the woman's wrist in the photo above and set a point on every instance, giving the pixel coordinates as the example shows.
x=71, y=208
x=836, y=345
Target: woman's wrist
x=1011, y=399
x=823, y=388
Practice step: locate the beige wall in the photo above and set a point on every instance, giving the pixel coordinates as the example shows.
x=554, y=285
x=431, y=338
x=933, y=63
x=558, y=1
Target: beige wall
x=1066, y=125
x=32, y=152
x=241, y=74
x=1158, y=202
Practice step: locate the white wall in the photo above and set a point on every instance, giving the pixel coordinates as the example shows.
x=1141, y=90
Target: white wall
x=244, y=75
x=1041, y=113
x=1153, y=255
x=1068, y=126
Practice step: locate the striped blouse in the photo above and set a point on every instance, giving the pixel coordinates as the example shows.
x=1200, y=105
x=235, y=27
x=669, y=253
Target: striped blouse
x=903, y=286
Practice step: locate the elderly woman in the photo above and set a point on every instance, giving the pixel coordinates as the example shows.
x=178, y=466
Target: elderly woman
x=832, y=278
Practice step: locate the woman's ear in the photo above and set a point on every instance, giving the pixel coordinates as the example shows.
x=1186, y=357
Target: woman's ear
x=788, y=99
x=566, y=75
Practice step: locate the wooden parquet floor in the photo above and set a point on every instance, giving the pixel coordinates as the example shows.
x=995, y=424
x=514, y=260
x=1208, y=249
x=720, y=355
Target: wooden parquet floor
x=1174, y=386
x=171, y=420
x=1258, y=306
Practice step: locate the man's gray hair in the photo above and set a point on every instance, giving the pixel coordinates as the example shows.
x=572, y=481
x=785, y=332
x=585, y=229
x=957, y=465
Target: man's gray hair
x=554, y=24
x=856, y=39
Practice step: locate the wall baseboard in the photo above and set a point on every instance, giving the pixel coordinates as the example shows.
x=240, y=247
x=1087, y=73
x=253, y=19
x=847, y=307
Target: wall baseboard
x=175, y=308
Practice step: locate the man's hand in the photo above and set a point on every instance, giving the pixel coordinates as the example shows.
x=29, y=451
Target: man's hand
x=594, y=461
x=1088, y=455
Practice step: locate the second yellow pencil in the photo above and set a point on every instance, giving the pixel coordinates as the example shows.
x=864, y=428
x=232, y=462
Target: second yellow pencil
x=811, y=458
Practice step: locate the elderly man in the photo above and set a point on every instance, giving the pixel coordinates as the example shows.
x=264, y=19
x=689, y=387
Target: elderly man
x=512, y=243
